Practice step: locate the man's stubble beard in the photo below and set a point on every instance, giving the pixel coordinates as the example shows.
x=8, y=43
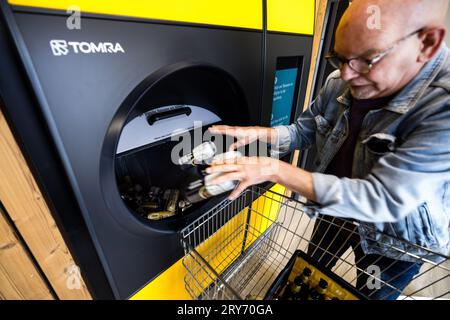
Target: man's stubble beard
x=363, y=93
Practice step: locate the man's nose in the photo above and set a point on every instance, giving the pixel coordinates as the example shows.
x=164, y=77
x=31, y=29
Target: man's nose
x=348, y=73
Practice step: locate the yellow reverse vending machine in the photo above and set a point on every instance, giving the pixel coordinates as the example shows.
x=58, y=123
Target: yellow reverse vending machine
x=93, y=105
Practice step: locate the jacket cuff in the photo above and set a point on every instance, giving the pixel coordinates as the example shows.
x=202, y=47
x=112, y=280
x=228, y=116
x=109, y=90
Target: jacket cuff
x=327, y=189
x=283, y=142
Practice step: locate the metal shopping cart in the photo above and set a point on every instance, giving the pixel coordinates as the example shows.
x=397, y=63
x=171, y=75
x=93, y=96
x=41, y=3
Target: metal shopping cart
x=244, y=249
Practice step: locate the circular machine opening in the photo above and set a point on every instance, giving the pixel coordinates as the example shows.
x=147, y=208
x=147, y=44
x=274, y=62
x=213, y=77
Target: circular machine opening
x=147, y=180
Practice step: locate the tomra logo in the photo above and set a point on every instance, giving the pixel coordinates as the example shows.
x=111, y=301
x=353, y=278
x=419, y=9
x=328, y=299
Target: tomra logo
x=63, y=47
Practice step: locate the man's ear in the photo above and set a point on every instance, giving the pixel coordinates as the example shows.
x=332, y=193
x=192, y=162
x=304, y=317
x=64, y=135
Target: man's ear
x=431, y=42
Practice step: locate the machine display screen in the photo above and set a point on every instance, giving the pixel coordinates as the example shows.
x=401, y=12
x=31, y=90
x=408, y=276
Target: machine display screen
x=285, y=90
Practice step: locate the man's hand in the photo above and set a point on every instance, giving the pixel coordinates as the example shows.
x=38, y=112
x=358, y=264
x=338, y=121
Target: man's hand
x=246, y=135
x=255, y=170
x=247, y=170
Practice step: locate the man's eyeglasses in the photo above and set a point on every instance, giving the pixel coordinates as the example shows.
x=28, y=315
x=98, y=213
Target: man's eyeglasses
x=362, y=65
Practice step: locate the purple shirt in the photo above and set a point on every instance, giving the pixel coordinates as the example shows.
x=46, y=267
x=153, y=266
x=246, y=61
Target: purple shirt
x=341, y=165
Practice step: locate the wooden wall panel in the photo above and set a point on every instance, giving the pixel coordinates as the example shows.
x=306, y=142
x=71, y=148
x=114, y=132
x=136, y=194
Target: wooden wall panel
x=29, y=212
x=19, y=277
x=321, y=8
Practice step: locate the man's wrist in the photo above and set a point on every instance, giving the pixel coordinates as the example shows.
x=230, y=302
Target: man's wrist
x=268, y=135
x=293, y=178
x=272, y=136
x=278, y=167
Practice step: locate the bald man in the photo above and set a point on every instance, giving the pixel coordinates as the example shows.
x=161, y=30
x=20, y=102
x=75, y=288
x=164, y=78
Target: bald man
x=381, y=131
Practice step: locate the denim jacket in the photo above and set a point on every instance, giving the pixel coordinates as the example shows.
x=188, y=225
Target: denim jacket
x=400, y=188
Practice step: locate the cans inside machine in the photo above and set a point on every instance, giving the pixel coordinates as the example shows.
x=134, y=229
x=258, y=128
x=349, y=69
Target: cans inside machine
x=264, y=245
x=160, y=202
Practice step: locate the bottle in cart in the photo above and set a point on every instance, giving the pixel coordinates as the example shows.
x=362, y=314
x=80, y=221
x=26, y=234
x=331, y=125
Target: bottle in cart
x=304, y=290
x=298, y=289
x=318, y=293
